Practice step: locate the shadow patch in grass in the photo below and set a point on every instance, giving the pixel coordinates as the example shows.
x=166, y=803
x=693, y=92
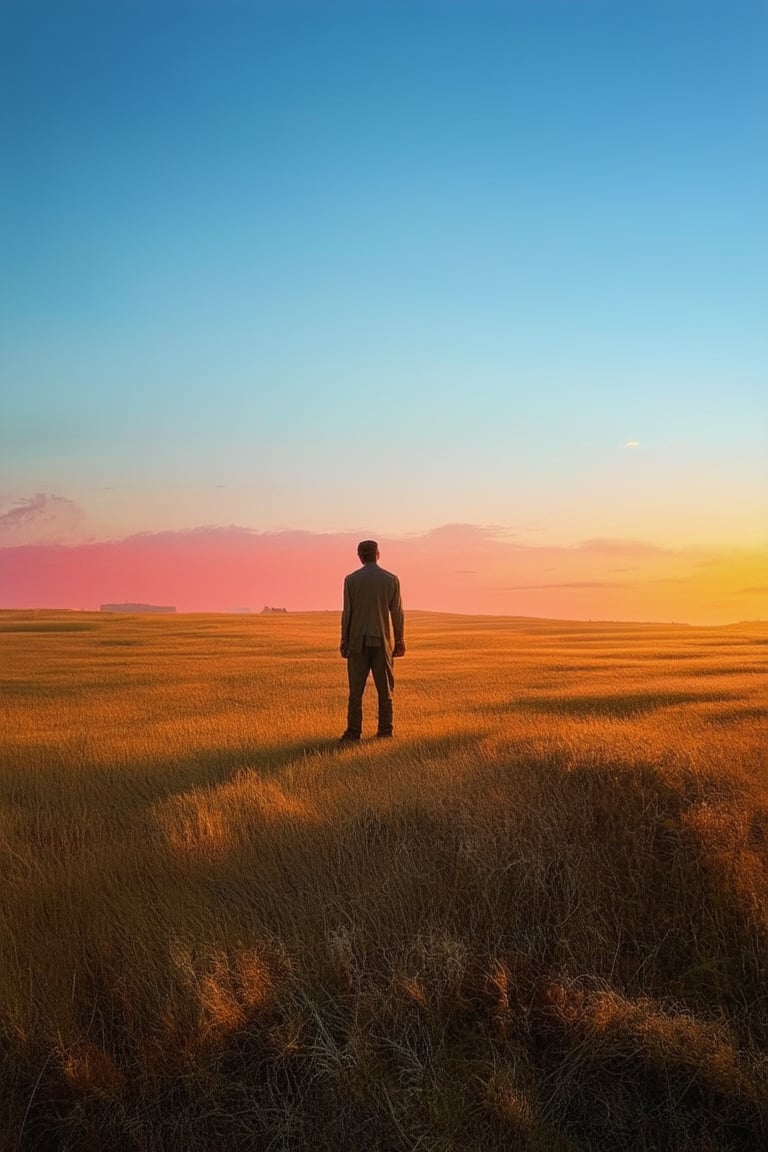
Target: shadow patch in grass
x=48, y=626
x=628, y=704
x=737, y=715
x=147, y=782
x=42, y=688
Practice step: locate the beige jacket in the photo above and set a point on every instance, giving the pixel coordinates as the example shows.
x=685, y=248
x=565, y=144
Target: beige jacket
x=371, y=600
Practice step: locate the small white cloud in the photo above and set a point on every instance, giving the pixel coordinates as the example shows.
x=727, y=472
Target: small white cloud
x=632, y=444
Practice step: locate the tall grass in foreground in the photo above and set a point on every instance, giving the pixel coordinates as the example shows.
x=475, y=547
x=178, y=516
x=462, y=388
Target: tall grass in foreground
x=536, y=920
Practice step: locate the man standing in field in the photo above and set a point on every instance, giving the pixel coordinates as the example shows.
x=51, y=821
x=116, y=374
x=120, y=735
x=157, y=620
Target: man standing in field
x=371, y=601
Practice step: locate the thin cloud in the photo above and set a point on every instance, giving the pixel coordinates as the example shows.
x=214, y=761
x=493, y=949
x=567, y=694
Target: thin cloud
x=29, y=509
x=616, y=546
x=40, y=518
x=632, y=444
x=463, y=533
x=564, y=584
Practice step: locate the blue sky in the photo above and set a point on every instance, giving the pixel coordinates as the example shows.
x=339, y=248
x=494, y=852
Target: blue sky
x=320, y=265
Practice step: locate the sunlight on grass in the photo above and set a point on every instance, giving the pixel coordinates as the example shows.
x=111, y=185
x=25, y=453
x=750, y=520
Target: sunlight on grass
x=214, y=822
x=535, y=919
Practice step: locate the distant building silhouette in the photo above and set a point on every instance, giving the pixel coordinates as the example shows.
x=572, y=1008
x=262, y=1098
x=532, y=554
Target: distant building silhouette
x=266, y=609
x=136, y=608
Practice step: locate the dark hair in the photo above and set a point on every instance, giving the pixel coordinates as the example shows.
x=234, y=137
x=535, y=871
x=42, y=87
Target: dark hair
x=367, y=549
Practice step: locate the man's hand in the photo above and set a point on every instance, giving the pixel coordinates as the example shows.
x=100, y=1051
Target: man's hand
x=344, y=649
x=399, y=648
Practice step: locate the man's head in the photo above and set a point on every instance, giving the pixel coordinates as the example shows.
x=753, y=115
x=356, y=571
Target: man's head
x=368, y=551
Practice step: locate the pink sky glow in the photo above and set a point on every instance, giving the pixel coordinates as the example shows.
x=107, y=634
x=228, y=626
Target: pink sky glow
x=454, y=568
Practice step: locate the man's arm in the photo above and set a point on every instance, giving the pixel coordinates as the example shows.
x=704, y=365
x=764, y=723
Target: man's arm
x=398, y=620
x=346, y=620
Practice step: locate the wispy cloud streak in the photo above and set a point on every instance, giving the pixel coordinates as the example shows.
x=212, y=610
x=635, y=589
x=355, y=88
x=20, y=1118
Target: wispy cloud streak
x=40, y=518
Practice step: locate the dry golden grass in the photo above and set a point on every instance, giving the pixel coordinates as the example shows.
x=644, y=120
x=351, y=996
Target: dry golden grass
x=536, y=920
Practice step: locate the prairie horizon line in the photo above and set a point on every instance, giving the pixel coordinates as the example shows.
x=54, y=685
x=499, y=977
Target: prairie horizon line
x=411, y=613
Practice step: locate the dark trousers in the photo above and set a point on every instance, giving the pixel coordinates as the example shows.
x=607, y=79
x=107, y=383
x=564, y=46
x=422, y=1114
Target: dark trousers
x=377, y=660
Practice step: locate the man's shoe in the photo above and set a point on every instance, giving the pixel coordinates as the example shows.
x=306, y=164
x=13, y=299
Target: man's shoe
x=349, y=738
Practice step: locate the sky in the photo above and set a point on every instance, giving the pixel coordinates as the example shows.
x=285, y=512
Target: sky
x=483, y=280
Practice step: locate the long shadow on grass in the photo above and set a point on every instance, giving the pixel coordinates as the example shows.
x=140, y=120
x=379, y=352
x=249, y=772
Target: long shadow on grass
x=125, y=789
x=598, y=704
x=738, y=715
x=144, y=782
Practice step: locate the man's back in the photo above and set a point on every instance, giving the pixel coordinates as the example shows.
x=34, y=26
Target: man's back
x=372, y=610
x=371, y=598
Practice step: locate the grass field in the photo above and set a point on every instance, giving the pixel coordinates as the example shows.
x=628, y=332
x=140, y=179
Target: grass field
x=537, y=919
